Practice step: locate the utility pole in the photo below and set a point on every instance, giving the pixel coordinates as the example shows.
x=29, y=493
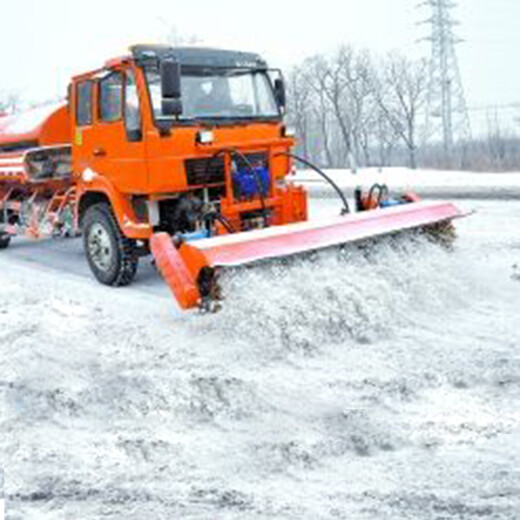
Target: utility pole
x=447, y=113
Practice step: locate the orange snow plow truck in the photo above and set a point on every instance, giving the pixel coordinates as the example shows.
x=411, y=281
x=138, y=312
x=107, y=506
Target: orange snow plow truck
x=182, y=153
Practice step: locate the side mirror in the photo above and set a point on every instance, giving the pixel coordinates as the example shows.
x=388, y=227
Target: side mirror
x=279, y=92
x=171, y=107
x=171, y=88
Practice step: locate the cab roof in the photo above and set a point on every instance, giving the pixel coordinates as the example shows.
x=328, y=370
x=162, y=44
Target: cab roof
x=198, y=56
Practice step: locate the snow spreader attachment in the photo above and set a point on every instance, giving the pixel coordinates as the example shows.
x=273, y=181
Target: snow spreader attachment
x=190, y=268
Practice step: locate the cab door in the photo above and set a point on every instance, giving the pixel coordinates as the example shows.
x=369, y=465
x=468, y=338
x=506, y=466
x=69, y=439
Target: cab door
x=113, y=144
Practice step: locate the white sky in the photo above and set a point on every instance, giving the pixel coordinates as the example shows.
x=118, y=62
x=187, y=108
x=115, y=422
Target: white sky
x=44, y=42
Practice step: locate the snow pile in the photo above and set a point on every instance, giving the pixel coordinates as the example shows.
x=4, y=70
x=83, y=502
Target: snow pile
x=358, y=292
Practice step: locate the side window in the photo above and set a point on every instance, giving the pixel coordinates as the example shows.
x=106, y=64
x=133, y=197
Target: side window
x=84, y=103
x=132, y=113
x=110, y=97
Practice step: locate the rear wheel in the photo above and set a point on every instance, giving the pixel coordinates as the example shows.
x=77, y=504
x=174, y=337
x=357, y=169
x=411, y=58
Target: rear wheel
x=5, y=240
x=112, y=257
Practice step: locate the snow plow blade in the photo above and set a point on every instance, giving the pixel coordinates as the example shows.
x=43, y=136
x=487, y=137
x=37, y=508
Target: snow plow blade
x=188, y=268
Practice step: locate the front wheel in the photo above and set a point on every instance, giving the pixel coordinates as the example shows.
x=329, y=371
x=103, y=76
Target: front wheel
x=5, y=240
x=112, y=257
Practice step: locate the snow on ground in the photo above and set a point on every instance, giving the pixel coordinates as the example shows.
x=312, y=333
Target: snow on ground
x=381, y=383
x=428, y=183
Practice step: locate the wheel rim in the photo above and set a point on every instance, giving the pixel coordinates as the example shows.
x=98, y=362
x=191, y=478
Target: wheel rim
x=100, y=247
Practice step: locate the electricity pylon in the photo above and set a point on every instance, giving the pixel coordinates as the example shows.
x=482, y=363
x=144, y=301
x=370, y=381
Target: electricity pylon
x=447, y=113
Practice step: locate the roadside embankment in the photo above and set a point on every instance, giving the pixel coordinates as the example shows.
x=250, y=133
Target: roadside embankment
x=427, y=183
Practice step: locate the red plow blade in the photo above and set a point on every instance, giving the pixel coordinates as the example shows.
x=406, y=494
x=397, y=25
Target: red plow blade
x=185, y=267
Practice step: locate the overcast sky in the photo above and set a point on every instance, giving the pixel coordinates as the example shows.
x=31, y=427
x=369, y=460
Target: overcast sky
x=44, y=42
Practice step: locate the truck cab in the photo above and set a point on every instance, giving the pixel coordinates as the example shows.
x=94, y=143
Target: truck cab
x=190, y=141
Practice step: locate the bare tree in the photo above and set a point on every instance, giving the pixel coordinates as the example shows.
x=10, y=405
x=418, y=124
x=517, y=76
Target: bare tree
x=174, y=37
x=9, y=103
x=351, y=109
x=328, y=79
x=322, y=116
x=299, y=106
x=496, y=141
x=361, y=105
x=315, y=74
x=346, y=83
x=386, y=139
x=335, y=86
x=401, y=92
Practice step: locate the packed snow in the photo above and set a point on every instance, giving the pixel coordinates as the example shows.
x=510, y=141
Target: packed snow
x=380, y=382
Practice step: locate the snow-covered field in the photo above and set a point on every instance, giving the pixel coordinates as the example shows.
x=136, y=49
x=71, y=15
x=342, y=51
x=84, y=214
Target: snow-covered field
x=428, y=183
x=382, y=383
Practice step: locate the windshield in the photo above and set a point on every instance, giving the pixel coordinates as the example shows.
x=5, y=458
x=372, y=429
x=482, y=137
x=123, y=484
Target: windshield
x=226, y=94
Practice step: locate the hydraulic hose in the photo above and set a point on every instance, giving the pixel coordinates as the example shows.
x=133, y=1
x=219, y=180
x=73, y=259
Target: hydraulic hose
x=225, y=222
x=382, y=189
x=346, y=208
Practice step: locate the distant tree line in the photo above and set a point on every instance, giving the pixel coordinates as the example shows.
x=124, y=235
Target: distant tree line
x=9, y=103
x=353, y=109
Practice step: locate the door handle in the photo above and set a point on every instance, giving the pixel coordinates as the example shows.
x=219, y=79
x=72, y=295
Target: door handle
x=99, y=152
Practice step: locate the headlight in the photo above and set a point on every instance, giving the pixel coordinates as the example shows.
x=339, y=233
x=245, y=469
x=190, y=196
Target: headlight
x=205, y=137
x=288, y=131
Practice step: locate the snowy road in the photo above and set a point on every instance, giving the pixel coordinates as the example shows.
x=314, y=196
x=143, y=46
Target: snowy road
x=67, y=256
x=380, y=384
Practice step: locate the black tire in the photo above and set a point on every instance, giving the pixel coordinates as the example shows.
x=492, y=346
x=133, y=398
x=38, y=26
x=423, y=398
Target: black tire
x=5, y=240
x=112, y=257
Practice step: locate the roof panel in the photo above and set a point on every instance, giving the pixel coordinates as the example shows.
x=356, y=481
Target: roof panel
x=199, y=56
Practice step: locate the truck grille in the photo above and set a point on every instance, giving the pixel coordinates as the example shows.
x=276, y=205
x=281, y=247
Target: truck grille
x=200, y=172
x=205, y=171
